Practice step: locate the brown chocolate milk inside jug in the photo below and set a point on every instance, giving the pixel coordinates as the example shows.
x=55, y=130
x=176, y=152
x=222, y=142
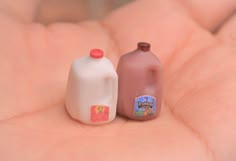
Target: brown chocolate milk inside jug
x=140, y=84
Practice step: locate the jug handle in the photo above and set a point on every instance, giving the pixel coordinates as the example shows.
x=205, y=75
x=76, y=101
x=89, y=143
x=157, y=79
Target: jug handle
x=112, y=87
x=153, y=77
x=152, y=74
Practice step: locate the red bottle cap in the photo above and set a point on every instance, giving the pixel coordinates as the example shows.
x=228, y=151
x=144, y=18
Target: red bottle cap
x=96, y=53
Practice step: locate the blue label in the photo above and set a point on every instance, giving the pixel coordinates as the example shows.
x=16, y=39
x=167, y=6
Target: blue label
x=145, y=105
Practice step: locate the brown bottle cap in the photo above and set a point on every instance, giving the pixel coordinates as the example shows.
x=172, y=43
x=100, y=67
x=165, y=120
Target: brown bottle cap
x=144, y=46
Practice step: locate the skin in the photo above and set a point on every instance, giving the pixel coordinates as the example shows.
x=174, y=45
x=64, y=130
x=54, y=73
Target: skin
x=194, y=39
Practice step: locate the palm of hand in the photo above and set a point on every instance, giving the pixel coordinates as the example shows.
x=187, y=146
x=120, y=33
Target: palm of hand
x=197, y=118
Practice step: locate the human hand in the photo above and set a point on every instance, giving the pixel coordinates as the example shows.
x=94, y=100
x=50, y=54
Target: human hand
x=198, y=112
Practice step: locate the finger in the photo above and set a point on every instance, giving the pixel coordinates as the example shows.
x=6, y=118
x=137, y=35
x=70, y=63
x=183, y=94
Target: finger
x=165, y=24
x=210, y=13
x=228, y=32
x=162, y=23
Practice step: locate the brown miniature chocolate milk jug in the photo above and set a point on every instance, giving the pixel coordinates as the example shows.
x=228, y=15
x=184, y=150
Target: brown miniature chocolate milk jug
x=139, y=84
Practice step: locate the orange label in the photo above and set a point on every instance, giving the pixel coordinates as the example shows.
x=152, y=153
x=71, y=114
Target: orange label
x=99, y=113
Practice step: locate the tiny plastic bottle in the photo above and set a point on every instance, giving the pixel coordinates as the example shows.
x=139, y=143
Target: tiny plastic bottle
x=92, y=89
x=140, y=84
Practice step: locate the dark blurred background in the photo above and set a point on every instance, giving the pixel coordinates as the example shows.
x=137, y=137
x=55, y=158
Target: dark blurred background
x=75, y=10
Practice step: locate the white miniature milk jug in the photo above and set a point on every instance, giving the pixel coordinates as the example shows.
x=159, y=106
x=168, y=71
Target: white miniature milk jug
x=92, y=89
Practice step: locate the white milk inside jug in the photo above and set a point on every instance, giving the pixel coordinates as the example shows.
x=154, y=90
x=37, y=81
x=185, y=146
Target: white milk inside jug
x=92, y=89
